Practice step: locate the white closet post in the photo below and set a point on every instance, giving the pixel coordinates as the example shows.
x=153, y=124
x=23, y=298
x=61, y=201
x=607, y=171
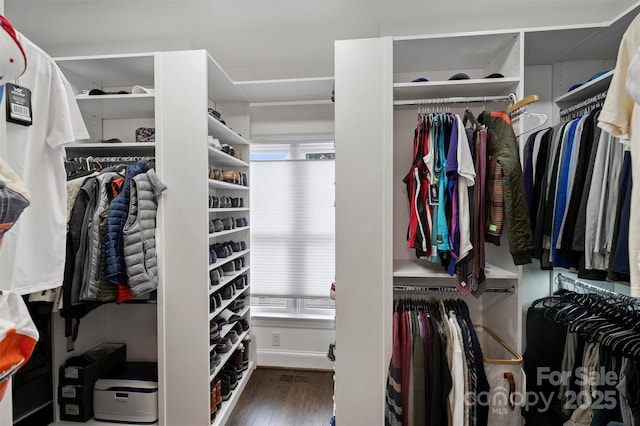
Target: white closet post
x=183, y=324
x=364, y=107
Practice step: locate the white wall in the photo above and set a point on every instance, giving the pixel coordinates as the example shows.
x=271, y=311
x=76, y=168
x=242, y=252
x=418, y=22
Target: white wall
x=304, y=343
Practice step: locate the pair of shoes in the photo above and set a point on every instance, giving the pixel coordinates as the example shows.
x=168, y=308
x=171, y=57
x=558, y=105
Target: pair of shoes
x=215, y=302
x=214, y=333
x=214, y=143
x=244, y=324
x=222, y=250
x=215, y=173
x=213, y=402
x=228, y=223
x=224, y=345
x=240, y=282
x=228, y=149
x=228, y=292
x=229, y=268
x=214, y=361
x=237, y=202
x=241, y=222
x=216, y=225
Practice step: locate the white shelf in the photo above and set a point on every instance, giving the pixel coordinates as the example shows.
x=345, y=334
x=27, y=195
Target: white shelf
x=226, y=280
x=454, y=88
x=124, y=148
x=228, y=232
x=223, y=159
x=225, y=185
x=227, y=407
x=117, y=106
x=424, y=269
x=223, y=260
x=287, y=90
x=587, y=90
x=221, y=87
x=225, y=134
x=111, y=70
x=225, y=304
x=229, y=209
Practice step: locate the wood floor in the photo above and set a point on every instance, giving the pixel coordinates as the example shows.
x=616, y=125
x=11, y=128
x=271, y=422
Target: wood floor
x=282, y=397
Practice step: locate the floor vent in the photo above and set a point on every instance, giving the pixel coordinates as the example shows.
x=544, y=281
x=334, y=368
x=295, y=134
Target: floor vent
x=289, y=378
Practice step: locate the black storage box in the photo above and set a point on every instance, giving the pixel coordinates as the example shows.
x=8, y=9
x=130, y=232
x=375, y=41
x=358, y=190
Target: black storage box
x=76, y=402
x=94, y=364
x=79, y=374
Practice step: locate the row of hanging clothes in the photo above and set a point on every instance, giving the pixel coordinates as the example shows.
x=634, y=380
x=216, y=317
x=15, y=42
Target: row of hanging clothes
x=111, y=255
x=445, y=370
x=582, y=358
x=578, y=189
x=464, y=187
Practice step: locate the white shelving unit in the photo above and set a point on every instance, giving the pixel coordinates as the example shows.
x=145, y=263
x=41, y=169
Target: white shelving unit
x=186, y=84
x=375, y=133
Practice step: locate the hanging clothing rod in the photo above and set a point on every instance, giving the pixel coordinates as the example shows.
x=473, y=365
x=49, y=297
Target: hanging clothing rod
x=562, y=279
x=457, y=100
x=587, y=102
x=413, y=288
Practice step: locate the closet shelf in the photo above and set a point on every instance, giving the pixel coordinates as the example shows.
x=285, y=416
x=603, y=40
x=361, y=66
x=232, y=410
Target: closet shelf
x=223, y=260
x=125, y=148
x=451, y=88
x=118, y=106
x=227, y=406
x=226, y=303
x=111, y=70
x=223, y=159
x=94, y=422
x=226, y=280
x=587, y=90
x=228, y=232
x=225, y=185
x=225, y=134
x=424, y=269
x=287, y=90
x=229, y=209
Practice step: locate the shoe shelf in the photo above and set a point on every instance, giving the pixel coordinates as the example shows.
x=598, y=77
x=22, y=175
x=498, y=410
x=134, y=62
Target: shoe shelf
x=228, y=231
x=587, y=90
x=223, y=159
x=224, y=357
x=227, y=407
x=449, y=88
x=226, y=303
x=221, y=261
x=424, y=269
x=226, y=185
x=227, y=328
x=225, y=134
x=110, y=107
x=229, y=209
x=226, y=280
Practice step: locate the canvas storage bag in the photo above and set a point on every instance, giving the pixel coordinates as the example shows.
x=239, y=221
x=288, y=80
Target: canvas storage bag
x=507, y=381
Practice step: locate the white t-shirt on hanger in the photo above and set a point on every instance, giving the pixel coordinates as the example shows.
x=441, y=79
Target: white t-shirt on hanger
x=34, y=249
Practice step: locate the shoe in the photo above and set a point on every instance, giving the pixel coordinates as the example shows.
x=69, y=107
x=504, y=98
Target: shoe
x=214, y=398
x=230, y=316
x=243, y=245
x=214, y=143
x=229, y=268
x=220, y=321
x=232, y=152
x=236, y=359
x=221, y=251
x=243, y=179
x=238, y=264
x=214, y=276
x=233, y=336
x=215, y=202
x=229, y=176
x=224, y=346
x=245, y=354
x=225, y=148
x=238, y=284
x=217, y=225
x=228, y=223
x=237, y=305
x=244, y=324
x=235, y=202
x=232, y=371
x=226, y=293
x=237, y=327
x=236, y=247
x=225, y=389
x=218, y=385
x=214, y=333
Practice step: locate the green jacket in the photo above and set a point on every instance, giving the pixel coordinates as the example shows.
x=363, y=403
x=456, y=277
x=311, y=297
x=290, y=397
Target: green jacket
x=506, y=201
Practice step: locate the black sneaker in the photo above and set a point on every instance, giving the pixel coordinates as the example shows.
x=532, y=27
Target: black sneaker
x=226, y=293
x=214, y=276
x=229, y=268
x=244, y=324
x=225, y=389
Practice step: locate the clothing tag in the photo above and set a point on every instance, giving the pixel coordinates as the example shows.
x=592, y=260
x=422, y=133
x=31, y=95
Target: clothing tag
x=433, y=194
x=439, y=239
x=493, y=227
x=19, y=105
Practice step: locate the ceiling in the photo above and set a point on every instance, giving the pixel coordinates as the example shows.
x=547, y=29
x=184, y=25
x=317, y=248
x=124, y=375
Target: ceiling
x=273, y=39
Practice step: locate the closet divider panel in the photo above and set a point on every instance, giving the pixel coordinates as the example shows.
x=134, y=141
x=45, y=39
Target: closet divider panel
x=183, y=301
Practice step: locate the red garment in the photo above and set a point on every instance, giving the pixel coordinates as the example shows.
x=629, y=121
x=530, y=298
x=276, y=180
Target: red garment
x=124, y=292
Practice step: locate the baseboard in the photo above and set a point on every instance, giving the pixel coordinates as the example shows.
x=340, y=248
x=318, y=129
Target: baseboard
x=294, y=359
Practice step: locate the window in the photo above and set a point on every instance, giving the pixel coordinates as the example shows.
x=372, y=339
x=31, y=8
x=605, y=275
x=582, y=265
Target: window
x=292, y=227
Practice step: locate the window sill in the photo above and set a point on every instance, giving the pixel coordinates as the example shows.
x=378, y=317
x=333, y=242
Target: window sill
x=273, y=319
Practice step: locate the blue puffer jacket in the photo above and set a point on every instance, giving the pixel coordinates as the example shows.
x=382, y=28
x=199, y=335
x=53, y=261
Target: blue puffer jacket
x=114, y=266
